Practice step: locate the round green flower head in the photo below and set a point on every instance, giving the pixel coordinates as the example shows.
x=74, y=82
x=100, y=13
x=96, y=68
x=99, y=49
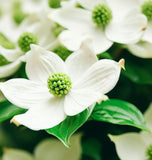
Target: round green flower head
x=59, y=84
x=147, y=9
x=26, y=39
x=101, y=14
x=149, y=153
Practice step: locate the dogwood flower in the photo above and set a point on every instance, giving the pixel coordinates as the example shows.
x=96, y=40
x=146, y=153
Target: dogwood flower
x=136, y=146
x=49, y=149
x=102, y=20
x=57, y=89
x=34, y=30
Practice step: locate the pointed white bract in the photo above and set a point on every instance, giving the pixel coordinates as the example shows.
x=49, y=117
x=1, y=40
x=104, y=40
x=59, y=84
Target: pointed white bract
x=90, y=80
x=134, y=145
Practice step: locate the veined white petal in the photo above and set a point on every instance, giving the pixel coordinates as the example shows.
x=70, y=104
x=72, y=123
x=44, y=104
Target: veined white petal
x=71, y=39
x=10, y=69
x=148, y=33
x=90, y=4
x=44, y=115
x=41, y=64
x=24, y=93
x=16, y=154
x=53, y=149
x=129, y=29
x=141, y=49
x=100, y=42
x=11, y=54
x=78, y=62
x=130, y=146
x=72, y=18
x=100, y=77
x=77, y=100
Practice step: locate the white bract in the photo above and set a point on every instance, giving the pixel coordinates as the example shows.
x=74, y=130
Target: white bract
x=49, y=149
x=35, y=29
x=58, y=89
x=106, y=21
x=135, y=146
x=144, y=48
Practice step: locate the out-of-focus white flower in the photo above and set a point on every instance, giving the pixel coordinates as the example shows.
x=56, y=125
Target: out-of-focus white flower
x=36, y=29
x=104, y=21
x=141, y=49
x=135, y=146
x=56, y=88
x=49, y=149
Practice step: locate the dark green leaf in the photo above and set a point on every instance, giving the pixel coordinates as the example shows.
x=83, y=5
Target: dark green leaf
x=119, y=112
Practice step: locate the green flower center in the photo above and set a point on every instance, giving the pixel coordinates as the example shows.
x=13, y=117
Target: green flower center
x=146, y=9
x=149, y=153
x=101, y=14
x=26, y=39
x=18, y=14
x=59, y=84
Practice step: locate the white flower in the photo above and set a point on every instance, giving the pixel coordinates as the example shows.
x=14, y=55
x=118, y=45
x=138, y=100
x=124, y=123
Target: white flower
x=104, y=21
x=49, y=149
x=36, y=29
x=135, y=146
x=56, y=88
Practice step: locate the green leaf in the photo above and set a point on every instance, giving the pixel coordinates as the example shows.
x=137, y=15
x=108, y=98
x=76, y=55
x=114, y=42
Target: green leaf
x=64, y=130
x=8, y=110
x=91, y=147
x=119, y=112
x=104, y=55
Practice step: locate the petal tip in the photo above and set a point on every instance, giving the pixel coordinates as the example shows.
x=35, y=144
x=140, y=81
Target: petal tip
x=122, y=63
x=15, y=122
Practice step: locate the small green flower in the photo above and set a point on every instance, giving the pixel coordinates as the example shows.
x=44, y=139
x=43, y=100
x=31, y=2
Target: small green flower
x=26, y=39
x=59, y=84
x=101, y=14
